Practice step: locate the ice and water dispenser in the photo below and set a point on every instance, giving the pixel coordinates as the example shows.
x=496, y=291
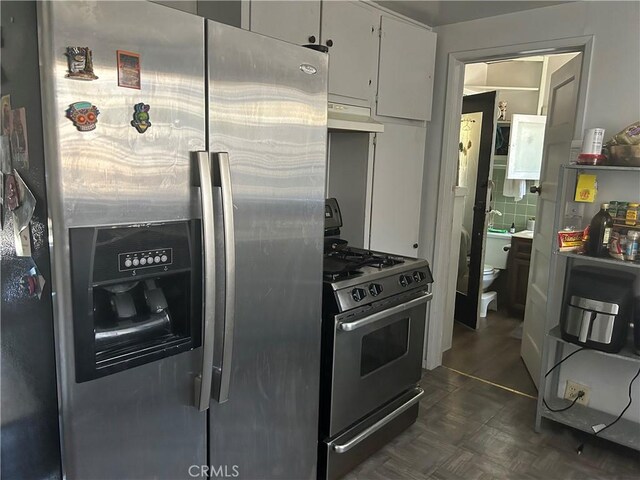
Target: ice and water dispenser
x=137, y=295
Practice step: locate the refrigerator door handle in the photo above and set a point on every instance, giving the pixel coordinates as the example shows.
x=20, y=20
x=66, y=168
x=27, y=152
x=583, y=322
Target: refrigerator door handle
x=203, y=381
x=223, y=372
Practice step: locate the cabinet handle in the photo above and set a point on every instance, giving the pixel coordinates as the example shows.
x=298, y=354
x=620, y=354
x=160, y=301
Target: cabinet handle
x=415, y=245
x=312, y=39
x=535, y=189
x=329, y=43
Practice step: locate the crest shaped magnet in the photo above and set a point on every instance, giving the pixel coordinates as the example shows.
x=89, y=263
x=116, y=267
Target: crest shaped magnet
x=80, y=63
x=84, y=115
x=141, y=117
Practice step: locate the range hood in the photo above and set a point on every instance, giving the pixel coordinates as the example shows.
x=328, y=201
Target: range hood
x=351, y=118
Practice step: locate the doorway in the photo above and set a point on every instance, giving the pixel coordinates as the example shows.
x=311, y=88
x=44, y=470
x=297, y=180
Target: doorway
x=502, y=337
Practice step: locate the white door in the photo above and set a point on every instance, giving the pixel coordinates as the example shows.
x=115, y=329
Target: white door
x=352, y=31
x=292, y=21
x=558, y=135
x=397, y=189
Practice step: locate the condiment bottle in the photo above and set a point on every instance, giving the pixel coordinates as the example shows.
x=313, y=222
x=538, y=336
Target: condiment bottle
x=512, y=228
x=599, y=232
x=631, y=218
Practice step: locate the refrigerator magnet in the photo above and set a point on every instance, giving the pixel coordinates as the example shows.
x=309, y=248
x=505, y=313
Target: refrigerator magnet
x=6, y=115
x=141, y=117
x=33, y=283
x=128, y=69
x=18, y=139
x=84, y=115
x=80, y=62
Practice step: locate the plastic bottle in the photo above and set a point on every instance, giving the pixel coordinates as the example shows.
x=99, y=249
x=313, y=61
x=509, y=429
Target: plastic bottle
x=599, y=232
x=631, y=248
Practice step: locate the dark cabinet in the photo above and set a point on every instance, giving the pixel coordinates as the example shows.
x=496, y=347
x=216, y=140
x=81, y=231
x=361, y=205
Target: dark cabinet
x=518, y=274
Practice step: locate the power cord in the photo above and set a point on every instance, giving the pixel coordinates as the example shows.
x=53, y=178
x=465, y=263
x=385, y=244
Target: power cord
x=580, y=448
x=580, y=393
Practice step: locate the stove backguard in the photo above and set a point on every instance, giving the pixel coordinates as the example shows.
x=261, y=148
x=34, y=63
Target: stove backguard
x=136, y=295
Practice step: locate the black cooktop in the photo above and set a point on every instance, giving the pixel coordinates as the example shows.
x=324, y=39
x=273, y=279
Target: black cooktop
x=345, y=262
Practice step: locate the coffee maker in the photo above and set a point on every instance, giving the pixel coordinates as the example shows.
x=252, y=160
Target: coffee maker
x=137, y=295
x=597, y=308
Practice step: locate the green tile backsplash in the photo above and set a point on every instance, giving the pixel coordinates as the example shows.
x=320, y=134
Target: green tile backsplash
x=512, y=211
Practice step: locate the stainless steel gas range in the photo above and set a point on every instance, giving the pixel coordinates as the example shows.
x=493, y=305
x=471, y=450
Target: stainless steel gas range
x=373, y=324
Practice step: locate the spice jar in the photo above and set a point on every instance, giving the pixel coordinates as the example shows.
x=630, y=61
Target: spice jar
x=613, y=209
x=631, y=218
x=621, y=215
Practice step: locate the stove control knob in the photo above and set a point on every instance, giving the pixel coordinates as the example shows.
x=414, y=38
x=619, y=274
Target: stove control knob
x=358, y=294
x=135, y=262
x=127, y=263
x=403, y=280
x=419, y=276
x=375, y=289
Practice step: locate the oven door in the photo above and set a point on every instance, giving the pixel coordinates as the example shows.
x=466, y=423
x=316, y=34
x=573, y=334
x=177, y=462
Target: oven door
x=377, y=356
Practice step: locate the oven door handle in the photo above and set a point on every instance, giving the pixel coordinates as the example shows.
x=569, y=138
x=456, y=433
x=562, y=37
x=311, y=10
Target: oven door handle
x=351, y=326
x=419, y=392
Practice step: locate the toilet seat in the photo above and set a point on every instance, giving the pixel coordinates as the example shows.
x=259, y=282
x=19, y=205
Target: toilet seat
x=487, y=269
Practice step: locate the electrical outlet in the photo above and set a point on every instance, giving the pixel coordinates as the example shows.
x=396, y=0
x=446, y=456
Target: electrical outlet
x=571, y=392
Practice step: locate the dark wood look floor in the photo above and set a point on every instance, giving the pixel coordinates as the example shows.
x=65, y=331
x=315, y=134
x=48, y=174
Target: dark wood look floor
x=469, y=429
x=492, y=353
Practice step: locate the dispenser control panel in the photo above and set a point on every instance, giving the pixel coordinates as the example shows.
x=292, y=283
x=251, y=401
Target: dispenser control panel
x=155, y=257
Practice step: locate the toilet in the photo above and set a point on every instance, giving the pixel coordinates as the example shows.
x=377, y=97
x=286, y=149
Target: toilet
x=495, y=259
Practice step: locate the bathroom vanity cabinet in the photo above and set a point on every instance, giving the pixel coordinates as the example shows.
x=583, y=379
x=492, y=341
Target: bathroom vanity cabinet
x=518, y=273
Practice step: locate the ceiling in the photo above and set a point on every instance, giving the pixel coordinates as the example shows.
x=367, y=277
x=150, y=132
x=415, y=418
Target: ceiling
x=443, y=12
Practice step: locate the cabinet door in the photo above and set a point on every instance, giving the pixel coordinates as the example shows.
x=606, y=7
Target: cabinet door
x=397, y=189
x=525, y=146
x=405, y=75
x=292, y=21
x=351, y=30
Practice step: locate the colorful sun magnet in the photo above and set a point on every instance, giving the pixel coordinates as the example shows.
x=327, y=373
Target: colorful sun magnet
x=141, y=117
x=84, y=115
x=80, y=63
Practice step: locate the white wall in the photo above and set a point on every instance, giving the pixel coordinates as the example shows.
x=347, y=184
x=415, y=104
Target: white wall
x=613, y=96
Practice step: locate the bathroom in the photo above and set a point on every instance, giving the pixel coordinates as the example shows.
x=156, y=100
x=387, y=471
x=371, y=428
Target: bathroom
x=489, y=180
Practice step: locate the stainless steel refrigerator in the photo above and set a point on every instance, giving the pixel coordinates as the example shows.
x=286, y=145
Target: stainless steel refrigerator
x=185, y=166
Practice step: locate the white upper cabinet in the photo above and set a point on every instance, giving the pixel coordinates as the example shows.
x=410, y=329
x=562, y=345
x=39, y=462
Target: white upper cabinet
x=525, y=146
x=292, y=21
x=397, y=189
x=406, y=66
x=350, y=30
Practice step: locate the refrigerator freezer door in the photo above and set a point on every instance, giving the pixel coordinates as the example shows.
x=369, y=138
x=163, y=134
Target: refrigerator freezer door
x=141, y=422
x=267, y=110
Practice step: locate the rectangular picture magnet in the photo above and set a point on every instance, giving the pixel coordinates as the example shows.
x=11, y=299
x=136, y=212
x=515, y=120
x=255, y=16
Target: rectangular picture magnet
x=5, y=113
x=128, y=69
x=19, y=141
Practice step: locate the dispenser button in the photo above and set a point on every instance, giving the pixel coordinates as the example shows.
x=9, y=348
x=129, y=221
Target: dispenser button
x=164, y=258
x=127, y=263
x=143, y=261
x=136, y=262
x=150, y=260
x=156, y=259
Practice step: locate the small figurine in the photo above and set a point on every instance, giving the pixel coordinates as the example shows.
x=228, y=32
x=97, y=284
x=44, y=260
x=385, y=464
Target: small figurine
x=80, y=63
x=502, y=107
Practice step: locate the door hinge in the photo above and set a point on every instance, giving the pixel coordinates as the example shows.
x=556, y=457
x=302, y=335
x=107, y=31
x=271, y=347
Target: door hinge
x=375, y=139
x=380, y=32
